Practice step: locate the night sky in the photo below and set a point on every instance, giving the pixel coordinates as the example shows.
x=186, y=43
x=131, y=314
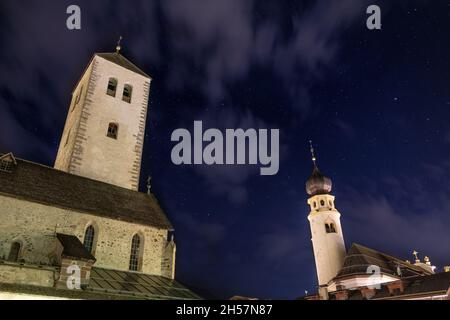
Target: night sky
x=375, y=103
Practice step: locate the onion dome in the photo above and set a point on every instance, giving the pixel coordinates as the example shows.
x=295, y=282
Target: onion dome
x=317, y=183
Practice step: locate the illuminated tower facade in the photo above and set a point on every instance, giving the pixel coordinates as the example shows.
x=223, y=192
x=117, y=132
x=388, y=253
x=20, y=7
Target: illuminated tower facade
x=325, y=221
x=104, y=132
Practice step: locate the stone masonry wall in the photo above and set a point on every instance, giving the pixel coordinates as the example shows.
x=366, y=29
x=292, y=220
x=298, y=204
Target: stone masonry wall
x=72, y=135
x=34, y=226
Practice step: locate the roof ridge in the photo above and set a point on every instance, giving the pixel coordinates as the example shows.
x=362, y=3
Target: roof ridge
x=74, y=175
x=409, y=265
x=121, y=56
x=35, y=182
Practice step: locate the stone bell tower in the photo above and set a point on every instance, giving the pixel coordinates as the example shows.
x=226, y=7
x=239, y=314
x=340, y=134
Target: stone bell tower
x=104, y=132
x=326, y=232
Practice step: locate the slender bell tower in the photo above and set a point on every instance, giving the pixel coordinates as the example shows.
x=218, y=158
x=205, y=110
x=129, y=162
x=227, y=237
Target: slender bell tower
x=326, y=232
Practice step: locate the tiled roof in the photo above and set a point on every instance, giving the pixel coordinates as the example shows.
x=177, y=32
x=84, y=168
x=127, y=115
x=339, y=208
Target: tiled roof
x=417, y=286
x=120, y=60
x=360, y=258
x=37, y=183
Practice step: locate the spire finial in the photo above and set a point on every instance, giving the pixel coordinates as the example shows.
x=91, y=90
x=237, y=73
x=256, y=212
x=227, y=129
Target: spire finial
x=313, y=156
x=118, y=48
x=415, y=255
x=149, y=185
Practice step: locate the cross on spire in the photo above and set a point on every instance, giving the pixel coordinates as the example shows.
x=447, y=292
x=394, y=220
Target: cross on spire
x=313, y=156
x=118, y=47
x=415, y=255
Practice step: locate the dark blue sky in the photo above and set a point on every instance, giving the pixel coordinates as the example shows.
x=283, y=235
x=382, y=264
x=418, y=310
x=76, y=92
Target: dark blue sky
x=376, y=104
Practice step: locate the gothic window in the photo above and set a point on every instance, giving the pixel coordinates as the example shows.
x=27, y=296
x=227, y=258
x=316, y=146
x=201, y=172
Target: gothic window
x=89, y=239
x=113, y=130
x=112, y=86
x=6, y=165
x=135, y=253
x=127, y=91
x=14, y=253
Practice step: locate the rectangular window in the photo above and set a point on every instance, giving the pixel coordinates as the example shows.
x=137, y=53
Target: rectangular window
x=113, y=130
x=5, y=166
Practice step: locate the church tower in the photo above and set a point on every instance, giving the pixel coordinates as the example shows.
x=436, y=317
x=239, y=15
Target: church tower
x=326, y=232
x=104, y=132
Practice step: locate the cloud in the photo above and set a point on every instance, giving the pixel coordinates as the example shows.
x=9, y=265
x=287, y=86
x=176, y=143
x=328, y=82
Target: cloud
x=223, y=41
x=401, y=214
x=43, y=60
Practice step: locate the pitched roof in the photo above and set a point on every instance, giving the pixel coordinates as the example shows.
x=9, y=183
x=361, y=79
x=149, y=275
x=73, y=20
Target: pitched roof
x=436, y=284
x=8, y=157
x=137, y=284
x=73, y=248
x=120, y=60
x=37, y=183
x=359, y=258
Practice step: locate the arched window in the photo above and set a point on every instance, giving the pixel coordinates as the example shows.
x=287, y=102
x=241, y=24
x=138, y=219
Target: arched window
x=135, y=253
x=322, y=203
x=113, y=130
x=315, y=204
x=127, y=91
x=89, y=237
x=330, y=227
x=14, y=253
x=112, y=87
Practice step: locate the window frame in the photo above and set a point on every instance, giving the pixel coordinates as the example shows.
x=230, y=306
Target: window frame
x=92, y=238
x=127, y=88
x=17, y=253
x=6, y=165
x=112, y=92
x=113, y=130
x=136, y=250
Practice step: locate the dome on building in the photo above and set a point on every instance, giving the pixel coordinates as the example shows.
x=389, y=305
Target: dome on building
x=318, y=183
